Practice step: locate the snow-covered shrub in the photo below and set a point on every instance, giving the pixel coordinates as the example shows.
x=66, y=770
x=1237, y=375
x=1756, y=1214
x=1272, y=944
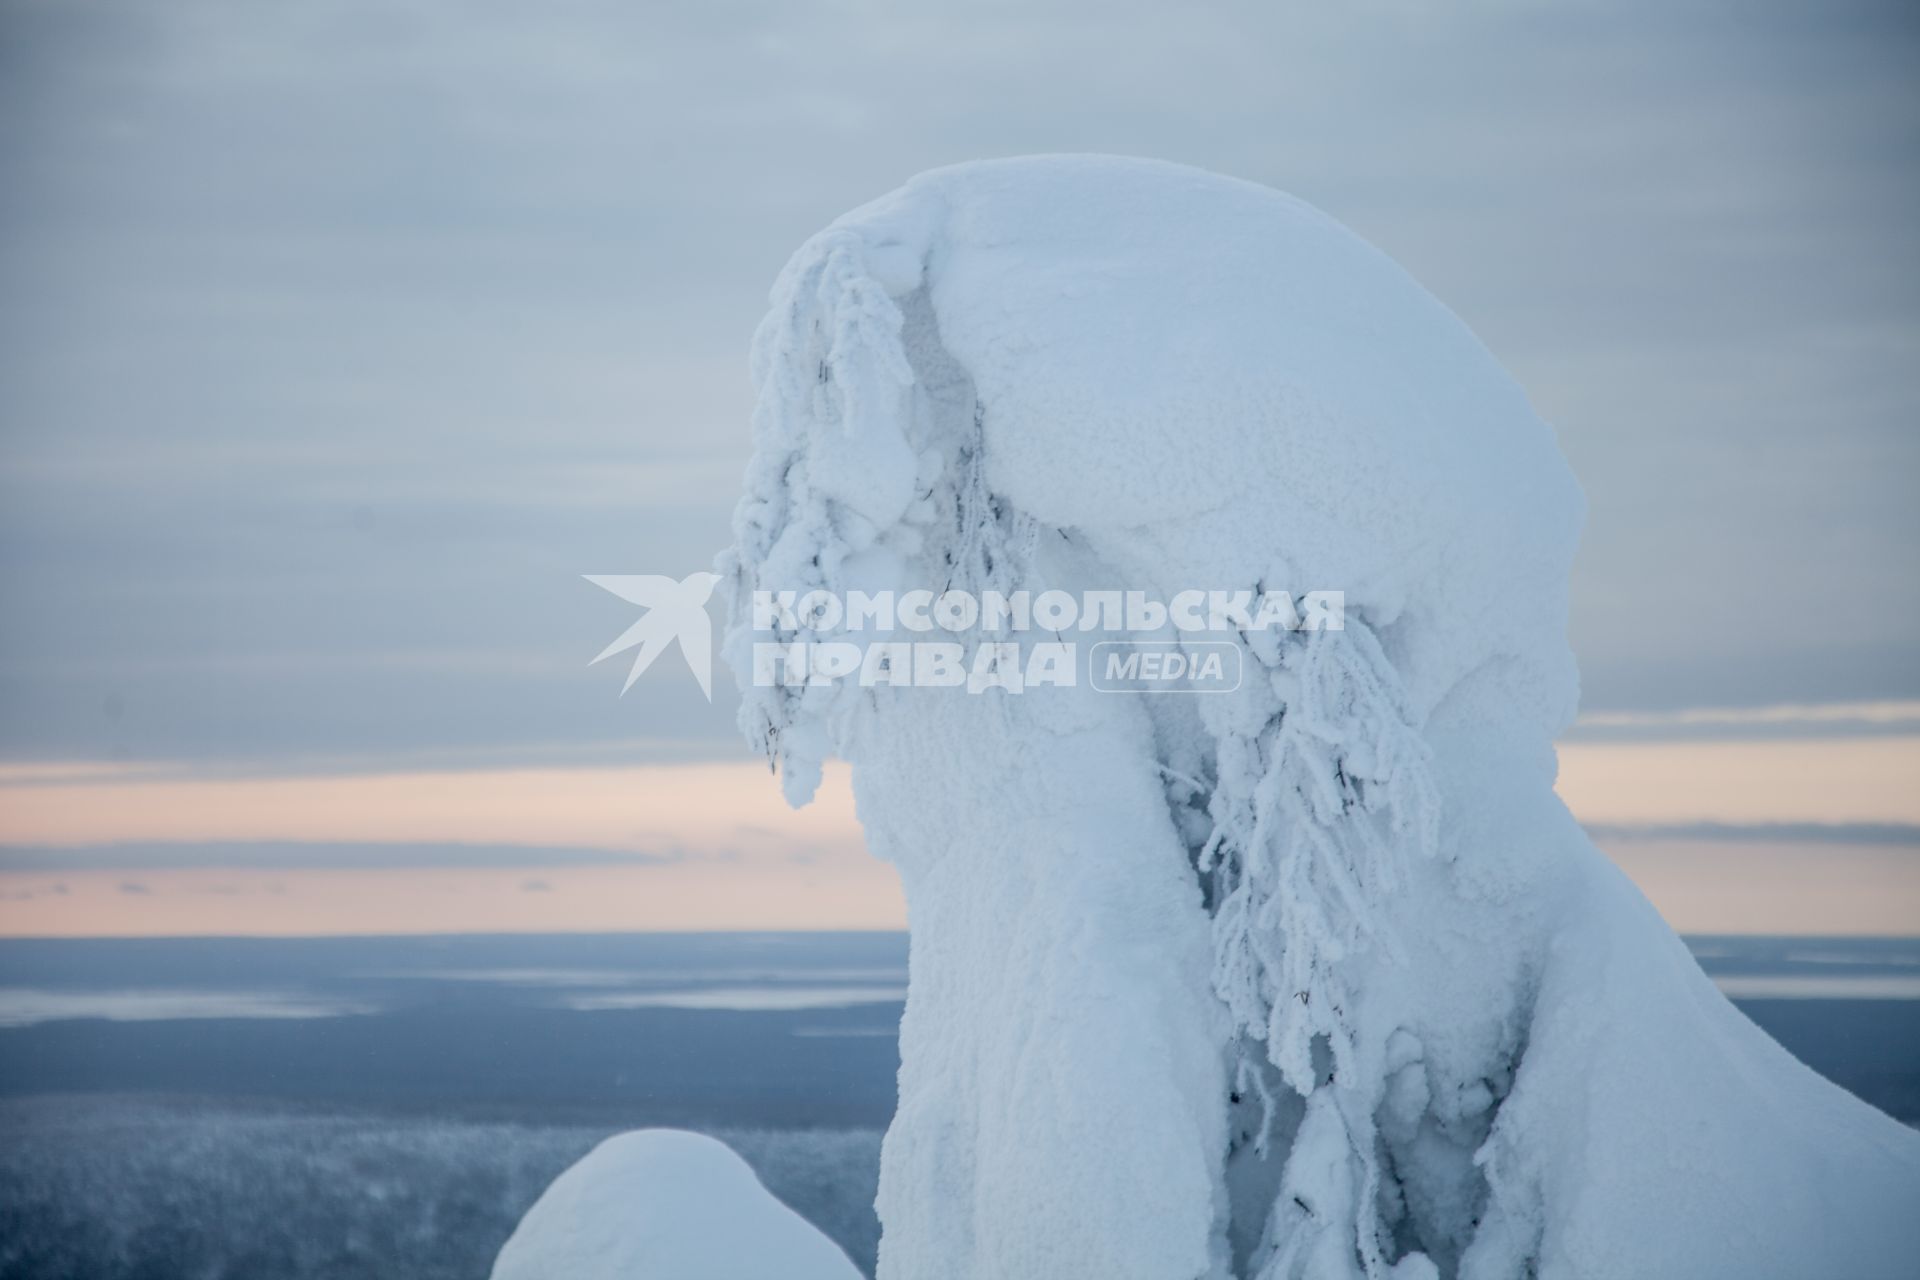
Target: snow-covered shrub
x=665, y=1204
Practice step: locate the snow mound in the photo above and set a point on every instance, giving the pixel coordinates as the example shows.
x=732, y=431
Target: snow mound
x=1313, y=977
x=664, y=1204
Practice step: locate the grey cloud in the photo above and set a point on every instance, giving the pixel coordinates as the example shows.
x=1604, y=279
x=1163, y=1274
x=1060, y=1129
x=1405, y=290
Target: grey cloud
x=413, y=316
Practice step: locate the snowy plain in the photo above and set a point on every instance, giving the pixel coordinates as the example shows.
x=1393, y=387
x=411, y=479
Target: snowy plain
x=409, y=1140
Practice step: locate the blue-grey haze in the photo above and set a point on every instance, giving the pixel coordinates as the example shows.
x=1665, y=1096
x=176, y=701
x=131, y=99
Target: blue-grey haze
x=338, y=339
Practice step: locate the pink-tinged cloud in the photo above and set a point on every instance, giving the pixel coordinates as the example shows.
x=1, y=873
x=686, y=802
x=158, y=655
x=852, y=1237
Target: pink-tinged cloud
x=1828, y=780
x=728, y=854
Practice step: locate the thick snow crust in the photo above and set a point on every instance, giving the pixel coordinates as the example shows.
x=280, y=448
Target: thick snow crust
x=664, y=1204
x=1313, y=979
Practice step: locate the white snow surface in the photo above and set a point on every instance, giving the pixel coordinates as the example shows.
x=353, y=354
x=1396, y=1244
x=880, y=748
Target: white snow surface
x=1316, y=979
x=665, y=1204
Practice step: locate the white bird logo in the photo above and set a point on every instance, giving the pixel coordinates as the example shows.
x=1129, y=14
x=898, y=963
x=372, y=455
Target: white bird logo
x=674, y=611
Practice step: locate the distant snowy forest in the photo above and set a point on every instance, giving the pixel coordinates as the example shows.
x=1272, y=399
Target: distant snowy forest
x=143, y=1189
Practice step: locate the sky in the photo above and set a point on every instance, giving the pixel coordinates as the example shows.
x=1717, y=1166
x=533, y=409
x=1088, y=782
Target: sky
x=338, y=340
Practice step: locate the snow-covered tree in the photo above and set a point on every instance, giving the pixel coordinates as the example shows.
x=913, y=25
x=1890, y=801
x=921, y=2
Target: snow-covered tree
x=1315, y=977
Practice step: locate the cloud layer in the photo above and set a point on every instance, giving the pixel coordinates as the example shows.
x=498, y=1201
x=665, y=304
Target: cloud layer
x=341, y=338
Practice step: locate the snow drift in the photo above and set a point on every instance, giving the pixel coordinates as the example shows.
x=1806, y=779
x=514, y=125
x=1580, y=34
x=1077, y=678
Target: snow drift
x=665, y=1204
x=1312, y=979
